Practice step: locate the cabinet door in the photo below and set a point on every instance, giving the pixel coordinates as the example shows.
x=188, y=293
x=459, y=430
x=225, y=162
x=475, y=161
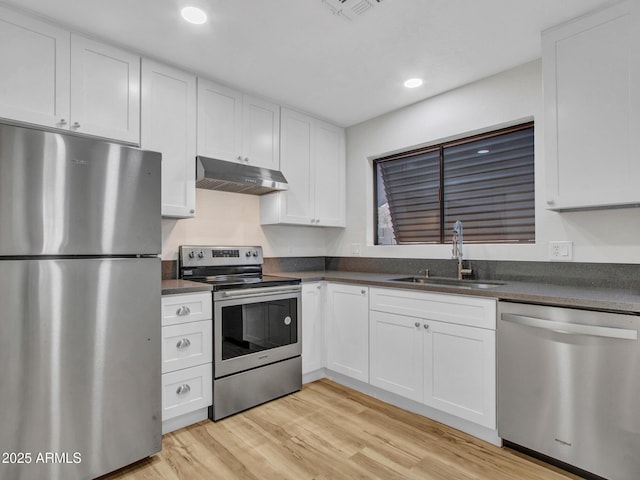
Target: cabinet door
x=329, y=175
x=592, y=106
x=260, y=133
x=169, y=127
x=295, y=206
x=34, y=85
x=219, y=121
x=312, y=327
x=396, y=347
x=347, y=321
x=459, y=371
x=105, y=91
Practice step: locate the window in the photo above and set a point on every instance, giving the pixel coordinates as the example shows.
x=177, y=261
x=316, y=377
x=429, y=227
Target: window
x=485, y=181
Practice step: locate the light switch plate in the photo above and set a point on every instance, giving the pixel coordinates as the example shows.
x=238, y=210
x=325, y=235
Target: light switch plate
x=561, y=251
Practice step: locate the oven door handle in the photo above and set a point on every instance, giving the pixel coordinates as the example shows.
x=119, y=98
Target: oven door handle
x=259, y=292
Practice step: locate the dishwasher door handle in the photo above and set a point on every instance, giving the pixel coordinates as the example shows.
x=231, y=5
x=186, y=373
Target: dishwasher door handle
x=571, y=328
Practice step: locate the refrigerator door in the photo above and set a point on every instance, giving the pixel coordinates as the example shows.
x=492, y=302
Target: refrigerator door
x=80, y=388
x=66, y=195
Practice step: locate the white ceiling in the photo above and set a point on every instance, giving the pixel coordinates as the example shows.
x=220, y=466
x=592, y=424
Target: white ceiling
x=298, y=53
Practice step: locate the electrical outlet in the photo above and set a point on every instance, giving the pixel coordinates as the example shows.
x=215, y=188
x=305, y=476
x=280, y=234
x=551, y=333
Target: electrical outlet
x=561, y=251
x=355, y=249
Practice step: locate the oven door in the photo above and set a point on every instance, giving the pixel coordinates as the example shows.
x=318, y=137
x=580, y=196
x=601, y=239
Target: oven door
x=254, y=327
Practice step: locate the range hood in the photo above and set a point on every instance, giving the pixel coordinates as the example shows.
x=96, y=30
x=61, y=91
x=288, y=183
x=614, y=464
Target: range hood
x=214, y=174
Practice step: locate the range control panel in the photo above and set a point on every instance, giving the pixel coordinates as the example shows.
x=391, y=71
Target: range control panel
x=201, y=256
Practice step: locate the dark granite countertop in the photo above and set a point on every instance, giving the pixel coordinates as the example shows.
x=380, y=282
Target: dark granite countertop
x=609, y=299
x=176, y=287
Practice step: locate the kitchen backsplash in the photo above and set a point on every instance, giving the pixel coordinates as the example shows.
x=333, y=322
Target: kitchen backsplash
x=597, y=275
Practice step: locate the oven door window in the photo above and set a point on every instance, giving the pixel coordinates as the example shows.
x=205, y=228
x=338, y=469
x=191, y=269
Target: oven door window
x=254, y=327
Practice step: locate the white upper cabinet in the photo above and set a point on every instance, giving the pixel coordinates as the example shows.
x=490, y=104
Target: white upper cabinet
x=260, y=133
x=237, y=127
x=169, y=127
x=592, y=109
x=105, y=90
x=60, y=80
x=313, y=162
x=219, y=121
x=34, y=85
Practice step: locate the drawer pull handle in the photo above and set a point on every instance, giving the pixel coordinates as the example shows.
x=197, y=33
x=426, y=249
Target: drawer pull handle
x=426, y=326
x=183, y=311
x=183, y=389
x=183, y=343
x=417, y=324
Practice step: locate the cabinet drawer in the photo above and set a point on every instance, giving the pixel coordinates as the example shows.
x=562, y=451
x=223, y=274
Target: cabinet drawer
x=458, y=309
x=186, y=345
x=186, y=308
x=186, y=390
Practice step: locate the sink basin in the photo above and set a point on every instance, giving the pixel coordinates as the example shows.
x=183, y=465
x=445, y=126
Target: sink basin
x=452, y=282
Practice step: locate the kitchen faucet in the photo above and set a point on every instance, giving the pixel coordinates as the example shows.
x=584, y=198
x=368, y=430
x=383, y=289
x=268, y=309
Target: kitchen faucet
x=456, y=250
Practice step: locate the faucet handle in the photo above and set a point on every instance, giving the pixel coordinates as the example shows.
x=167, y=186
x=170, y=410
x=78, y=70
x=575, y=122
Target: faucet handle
x=425, y=270
x=464, y=272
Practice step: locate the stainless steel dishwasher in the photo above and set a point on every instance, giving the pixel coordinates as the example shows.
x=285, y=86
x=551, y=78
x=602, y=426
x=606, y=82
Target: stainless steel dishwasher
x=569, y=386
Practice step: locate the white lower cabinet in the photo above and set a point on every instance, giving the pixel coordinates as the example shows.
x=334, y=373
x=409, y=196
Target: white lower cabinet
x=436, y=349
x=347, y=330
x=460, y=371
x=397, y=354
x=187, y=346
x=185, y=391
x=312, y=327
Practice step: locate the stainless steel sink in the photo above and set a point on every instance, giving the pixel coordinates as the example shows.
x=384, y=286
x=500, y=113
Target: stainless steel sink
x=453, y=282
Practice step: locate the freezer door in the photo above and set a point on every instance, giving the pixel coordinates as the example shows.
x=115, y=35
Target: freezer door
x=66, y=195
x=80, y=384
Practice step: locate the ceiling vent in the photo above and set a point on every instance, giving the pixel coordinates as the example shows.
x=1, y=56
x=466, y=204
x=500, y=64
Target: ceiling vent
x=350, y=9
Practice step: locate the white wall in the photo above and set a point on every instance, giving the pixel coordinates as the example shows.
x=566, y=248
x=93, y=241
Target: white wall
x=506, y=98
x=234, y=219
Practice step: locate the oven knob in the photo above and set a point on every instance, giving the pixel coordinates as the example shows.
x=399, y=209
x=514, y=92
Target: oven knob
x=248, y=254
x=192, y=254
x=255, y=253
x=200, y=254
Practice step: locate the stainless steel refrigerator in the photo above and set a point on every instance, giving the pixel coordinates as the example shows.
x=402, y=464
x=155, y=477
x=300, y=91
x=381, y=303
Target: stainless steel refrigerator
x=80, y=276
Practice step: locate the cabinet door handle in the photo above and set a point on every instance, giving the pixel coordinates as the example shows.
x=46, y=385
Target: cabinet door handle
x=76, y=125
x=426, y=326
x=246, y=160
x=417, y=324
x=63, y=121
x=183, y=311
x=183, y=343
x=363, y=292
x=183, y=389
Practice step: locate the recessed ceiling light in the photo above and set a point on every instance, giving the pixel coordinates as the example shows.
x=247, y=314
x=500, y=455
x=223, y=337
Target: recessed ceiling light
x=483, y=151
x=194, y=15
x=413, y=82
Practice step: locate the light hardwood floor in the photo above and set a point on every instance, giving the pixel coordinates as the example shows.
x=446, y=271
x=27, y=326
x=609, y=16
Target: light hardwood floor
x=327, y=431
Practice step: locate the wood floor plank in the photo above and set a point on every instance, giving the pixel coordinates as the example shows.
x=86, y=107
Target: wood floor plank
x=328, y=431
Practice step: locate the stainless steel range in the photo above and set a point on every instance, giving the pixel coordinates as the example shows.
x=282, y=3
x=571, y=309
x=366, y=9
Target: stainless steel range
x=256, y=326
